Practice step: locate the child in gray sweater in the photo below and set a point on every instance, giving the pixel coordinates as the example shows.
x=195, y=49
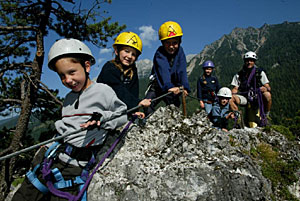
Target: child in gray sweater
x=89, y=112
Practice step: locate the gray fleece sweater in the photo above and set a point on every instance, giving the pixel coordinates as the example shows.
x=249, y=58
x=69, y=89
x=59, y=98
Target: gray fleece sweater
x=99, y=98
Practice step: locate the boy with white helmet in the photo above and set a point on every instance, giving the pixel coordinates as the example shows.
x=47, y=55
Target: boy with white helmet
x=251, y=86
x=220, y=111
x=169, y=67
x=89, y=111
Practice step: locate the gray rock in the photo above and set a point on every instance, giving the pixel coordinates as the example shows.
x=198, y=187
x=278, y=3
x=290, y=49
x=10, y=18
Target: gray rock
x=173, y=158
x=177, y=158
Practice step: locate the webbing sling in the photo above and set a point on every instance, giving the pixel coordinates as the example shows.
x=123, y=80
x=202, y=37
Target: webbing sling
x=82, y=193
x=263, y=118
x=60, y=182
x=31, y=175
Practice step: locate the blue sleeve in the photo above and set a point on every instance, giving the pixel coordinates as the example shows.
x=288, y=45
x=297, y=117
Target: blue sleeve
x=161, y=68
x=218, y=116
x=199, y=89
x=225, y=111
x=216, y=111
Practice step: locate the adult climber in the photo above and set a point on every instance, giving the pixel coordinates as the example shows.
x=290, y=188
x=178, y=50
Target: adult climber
x=251, y=87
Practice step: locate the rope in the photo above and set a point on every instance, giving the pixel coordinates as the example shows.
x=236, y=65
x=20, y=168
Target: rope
x=104, y=157
x=236, y=116
x=263, y=119
x=193, y=97
x=65, y=135
x=153, y=100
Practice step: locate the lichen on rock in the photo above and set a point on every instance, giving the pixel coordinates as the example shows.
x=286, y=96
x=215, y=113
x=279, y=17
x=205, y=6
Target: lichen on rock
x=177, y=158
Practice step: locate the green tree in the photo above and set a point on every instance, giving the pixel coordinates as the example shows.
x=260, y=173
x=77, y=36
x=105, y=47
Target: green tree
x=24, y=26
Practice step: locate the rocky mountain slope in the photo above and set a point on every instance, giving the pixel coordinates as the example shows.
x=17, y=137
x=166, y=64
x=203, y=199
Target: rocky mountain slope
x=144, y=67
x=241, y=40
x=173, y=158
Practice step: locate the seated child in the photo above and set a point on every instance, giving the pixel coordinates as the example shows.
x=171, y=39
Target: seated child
x=220, y=113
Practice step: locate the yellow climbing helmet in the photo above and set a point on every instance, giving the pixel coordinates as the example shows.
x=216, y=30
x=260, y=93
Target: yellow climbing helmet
x=169, y=29
x=130, y=39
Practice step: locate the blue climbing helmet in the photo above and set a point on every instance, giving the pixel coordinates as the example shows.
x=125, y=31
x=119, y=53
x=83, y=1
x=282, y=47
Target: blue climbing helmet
x=208, y=64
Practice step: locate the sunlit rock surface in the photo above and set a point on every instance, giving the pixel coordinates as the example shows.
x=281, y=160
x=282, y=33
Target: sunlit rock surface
x=176, y=158
x=173, y=158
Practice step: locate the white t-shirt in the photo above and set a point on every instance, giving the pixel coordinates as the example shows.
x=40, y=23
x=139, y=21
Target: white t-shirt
x=236, y=82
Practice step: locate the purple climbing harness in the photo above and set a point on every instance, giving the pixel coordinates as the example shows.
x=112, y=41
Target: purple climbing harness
x=256, y=93
x=47, y=172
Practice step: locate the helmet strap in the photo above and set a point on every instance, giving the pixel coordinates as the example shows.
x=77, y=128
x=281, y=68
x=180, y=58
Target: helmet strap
x=84, y=86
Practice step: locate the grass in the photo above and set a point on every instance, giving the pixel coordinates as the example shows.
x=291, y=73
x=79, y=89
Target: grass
x=18, y=181
x=281, y=173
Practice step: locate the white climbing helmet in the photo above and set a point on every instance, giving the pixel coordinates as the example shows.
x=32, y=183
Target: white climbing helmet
x=69, y=46
x=224, y=92
x=250, y=55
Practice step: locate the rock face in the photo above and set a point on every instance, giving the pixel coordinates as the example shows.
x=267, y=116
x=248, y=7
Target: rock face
x=144, y=67
x=173, y=158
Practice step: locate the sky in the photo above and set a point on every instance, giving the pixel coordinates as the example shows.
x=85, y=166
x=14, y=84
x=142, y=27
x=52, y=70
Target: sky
x=202, y=22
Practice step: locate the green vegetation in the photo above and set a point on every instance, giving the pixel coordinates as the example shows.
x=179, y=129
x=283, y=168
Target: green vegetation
x=18, y=181
x=281, y=173
x=293, y=124
x=290, y=128
x=280, y=57
x=285, y=131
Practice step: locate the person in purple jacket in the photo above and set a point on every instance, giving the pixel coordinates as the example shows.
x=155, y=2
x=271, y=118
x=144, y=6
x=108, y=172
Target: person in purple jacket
x=169, y=68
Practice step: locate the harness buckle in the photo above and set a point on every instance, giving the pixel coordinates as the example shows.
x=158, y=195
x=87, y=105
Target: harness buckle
x=52, y=150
